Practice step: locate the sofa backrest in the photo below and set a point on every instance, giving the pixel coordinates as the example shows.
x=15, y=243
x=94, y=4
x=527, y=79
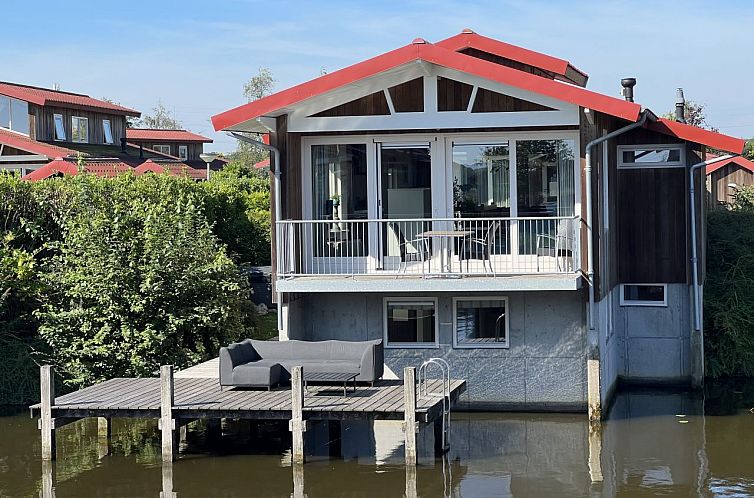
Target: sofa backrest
x=312, y=350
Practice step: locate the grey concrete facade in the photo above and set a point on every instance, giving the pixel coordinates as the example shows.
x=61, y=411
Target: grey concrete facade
x=544, y=367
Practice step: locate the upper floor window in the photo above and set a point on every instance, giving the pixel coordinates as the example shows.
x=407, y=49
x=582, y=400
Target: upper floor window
x=14, y=114
x=183, y=151
x=164, y=149
x=107, y=131
x=79, y=129
x=59, y=127
x=650, y=156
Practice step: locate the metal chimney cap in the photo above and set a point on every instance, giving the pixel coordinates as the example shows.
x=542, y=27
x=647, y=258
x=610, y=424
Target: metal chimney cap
x=628, y=82
x=468, y=31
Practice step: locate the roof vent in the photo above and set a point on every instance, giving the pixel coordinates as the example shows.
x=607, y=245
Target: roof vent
x=468, y=31
x=419, y=41
x=680, y=106
x=628, y=85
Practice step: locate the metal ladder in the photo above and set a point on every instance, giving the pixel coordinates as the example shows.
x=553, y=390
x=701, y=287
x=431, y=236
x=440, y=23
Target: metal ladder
x=424, y=390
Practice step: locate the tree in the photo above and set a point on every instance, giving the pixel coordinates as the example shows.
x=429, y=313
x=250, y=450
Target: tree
x=131, y=122
x=161, y=119
x=749, y=149
x=258, y=86
x=695, y=115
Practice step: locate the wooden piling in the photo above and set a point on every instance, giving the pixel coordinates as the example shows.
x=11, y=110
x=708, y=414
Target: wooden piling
x=298, y=481
x=167, y=481
x=593, y=389
x=46, y=422
x=48, y=480
x=595, y=451
x=167, y=424
x=297, y=424
x=104, y=427
x=409, y=413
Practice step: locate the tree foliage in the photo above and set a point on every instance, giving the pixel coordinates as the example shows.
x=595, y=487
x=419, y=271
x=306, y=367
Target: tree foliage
x=749, y=150
x=695, y=115
x=160, y=119
x=258, y=86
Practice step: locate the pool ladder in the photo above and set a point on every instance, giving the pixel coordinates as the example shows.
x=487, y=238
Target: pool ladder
x=444, y=369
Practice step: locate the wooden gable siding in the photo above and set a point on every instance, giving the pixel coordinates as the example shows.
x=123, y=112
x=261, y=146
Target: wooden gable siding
x=374, y=104
x=194, y=149
x=719, y=191
x=44, y=117
x=489, y=101
x=480, y=54
x=408, y=96
x=453, y=95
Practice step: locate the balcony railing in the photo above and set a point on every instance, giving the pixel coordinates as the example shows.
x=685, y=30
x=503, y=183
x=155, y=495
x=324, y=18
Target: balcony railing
x=429, y=247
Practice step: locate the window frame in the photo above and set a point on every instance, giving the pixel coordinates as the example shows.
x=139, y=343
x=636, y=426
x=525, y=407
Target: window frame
x=158, y=148
x=681, y=163
x=466, y=345
x=185, y=155
x=655, y=304
x=55, y=127
x=410, y=345
x=86, y=127
x=105, y=130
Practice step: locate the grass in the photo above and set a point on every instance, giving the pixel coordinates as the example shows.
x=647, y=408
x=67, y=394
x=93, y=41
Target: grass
x=267, y=326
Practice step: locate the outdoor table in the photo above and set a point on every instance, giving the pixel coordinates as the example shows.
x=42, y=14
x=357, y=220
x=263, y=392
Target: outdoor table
x=446, y=236
x=331, y=378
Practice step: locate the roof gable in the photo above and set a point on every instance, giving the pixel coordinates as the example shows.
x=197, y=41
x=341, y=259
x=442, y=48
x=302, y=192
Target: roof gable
x=157, y=135
x=737, y=160
x=23, y=142
x=43, y=96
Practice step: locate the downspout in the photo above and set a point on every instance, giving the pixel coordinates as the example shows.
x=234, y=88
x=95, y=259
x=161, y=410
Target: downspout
x=593, y=342
x=278, y=206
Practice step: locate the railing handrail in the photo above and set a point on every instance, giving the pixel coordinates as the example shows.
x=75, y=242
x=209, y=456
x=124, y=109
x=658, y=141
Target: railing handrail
x=406, y=220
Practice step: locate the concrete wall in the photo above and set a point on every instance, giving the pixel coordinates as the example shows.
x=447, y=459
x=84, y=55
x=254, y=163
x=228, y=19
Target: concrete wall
x=544, y=367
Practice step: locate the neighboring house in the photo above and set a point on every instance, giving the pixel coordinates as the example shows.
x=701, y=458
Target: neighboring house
x=182, y=144
x=436, y=196
x=724, y=177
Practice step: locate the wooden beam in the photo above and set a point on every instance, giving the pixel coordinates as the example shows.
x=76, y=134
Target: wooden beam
x=409, y=413
x=47, y=400
x=297, y=425
x=167, y=424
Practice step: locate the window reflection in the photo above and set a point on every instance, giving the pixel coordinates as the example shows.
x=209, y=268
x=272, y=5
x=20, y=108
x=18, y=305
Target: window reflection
x=481, y=180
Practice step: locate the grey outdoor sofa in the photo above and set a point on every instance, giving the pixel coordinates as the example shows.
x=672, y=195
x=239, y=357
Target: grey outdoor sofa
x=252, y=363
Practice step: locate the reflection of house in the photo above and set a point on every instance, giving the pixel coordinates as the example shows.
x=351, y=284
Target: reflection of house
x=437, y=196
x=726, y=176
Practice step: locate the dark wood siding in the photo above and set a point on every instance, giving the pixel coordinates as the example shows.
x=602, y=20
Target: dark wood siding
x=720, y=192
x=194, y=149
x=480, y=54
x=408, y=96
x=374, y=104
x=489, y=101
x=45, y=123
x=453, y=95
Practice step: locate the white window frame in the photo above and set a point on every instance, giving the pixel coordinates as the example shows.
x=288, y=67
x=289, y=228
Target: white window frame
x=107, y=127
x=410, y=345
x=657, y=304
x=62, y=127
x=183, y=151
x=160, y=148
x=86, y=127
x=471, y=345
x=681, y=163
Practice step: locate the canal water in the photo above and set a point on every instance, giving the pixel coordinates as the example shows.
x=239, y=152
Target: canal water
x=654, y=443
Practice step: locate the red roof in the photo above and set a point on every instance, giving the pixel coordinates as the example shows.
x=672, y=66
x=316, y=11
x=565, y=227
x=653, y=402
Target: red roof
x=437, y=54
x=264, y=163
x=70, y=167
x=171, y=168
x=23, y=142
x=44, y=96
x=165, y=135
x=562, y=69
x=738, y=160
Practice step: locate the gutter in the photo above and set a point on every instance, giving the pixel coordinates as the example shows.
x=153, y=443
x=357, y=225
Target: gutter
x=646, y=114
x=278, y=206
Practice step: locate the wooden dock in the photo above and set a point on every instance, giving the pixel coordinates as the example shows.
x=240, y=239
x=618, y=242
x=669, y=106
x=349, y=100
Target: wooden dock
x=180, y=399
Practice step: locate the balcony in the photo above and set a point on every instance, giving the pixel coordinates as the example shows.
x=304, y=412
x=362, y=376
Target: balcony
x=421, y=254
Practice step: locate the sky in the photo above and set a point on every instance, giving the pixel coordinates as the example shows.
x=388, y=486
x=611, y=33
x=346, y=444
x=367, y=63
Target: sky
x=195, y=56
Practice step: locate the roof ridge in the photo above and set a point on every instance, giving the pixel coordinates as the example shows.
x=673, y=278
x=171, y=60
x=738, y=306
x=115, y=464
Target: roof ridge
x=34, y=87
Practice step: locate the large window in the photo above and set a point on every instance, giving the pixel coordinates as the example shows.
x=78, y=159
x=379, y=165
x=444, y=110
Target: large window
x=107, y=131
x=4, y=112
x=59, y=127
x=79, y=129
x=183, y=151
x=410, y=322
x=545, y=177
x=481, y=180
x=480, y=322
x=14, y=114
x=163, y=149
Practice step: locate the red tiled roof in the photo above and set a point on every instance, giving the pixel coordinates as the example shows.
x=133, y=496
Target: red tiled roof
x=99, y=167
x=738, y=160
x=264, y=163
x=436, y=54
x=23, y=142
x=172, y=168
x=165, y=135
x=44, y=96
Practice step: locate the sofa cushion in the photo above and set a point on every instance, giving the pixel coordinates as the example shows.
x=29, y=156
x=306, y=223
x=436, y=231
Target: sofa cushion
x=257, y=373
x=330, y=366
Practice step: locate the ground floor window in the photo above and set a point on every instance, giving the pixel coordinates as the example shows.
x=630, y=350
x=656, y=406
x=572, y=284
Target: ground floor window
x=643, y=295
x=410, y=322
x=480, y=322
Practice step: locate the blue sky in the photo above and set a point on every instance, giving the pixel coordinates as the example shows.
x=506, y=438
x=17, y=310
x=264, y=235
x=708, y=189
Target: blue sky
x=195, y=56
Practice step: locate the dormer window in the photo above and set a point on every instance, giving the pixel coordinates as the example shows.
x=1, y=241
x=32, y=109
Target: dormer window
x=107, y=131
x=183, y=151
x=79, y=129
x=59, y=127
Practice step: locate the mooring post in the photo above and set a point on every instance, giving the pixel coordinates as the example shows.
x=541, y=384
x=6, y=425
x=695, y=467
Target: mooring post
x=48, y=480
x=595, y=451
x=593, y=389
x=167, y=424
x=167, y=481
x=409, y=413
x=297, y=424
x=46, y=422
x=411, y=491
x=104, y=427
x=298, y=481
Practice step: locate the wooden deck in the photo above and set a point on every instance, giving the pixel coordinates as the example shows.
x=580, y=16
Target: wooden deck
x=202, y=398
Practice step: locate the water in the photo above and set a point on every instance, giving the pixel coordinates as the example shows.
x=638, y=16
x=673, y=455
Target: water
x=653, y=444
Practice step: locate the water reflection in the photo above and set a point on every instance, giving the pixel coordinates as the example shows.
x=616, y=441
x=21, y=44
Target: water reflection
x=652, y=444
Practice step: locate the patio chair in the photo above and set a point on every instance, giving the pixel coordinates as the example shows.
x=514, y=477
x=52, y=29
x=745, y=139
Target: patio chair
x=480, y=248
x=416, y=250
x=558, y=246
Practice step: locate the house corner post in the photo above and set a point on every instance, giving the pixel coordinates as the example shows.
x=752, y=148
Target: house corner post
x=46, y=422
x=409, y=414
x=167, y=423
x=297, y=424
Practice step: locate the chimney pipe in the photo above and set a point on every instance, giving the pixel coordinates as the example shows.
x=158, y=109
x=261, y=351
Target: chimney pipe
x=628, y=88
x=680, y=106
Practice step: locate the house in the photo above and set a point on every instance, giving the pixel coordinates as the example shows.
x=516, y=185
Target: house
x=725, y=176
x=182, y=144
x=472, y=200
